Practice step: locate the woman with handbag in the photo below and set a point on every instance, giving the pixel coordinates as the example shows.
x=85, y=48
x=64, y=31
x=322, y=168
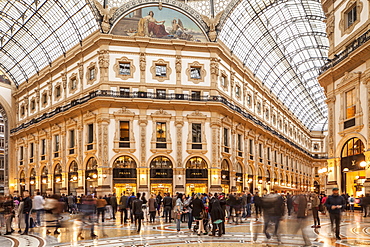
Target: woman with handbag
x=178, y=210
x=198, y=212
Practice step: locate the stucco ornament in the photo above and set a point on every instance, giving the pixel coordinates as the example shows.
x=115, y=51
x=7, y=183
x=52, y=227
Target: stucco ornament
x=212, y=24
x=107, y=14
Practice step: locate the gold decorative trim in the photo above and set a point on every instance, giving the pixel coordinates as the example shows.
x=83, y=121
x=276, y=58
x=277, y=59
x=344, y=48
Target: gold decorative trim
x=196, y=65
x=71, y=78
x=168, y=70
x=342, y=23
x=124, y=60
x=91, y=66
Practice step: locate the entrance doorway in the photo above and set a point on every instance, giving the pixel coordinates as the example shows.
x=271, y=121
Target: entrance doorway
x=161, y=188
x=225, y=188
x=124, y=188
x=196, y=188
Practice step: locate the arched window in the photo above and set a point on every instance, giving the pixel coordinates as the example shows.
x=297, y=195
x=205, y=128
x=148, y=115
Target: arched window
x=161, y=162
x=196, y=163
x=124, y=161
x=22, y=175
x=73, y=167
x=33, y=173
x=225, y=165
x=57, y=178
x=44, y=171
x=239, y=168
x=44, y=180
x=250, y=171
x=353, y=147
x=92, y=164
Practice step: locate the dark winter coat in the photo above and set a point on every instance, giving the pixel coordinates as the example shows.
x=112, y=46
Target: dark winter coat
x=197, y=206
x=215, y=210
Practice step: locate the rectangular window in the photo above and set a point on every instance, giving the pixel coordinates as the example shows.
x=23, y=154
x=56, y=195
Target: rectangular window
x=33, y=105
x=56, y=147
x=31, y=150
x=22, y=111
x=124, y=134
x=351, y=16
x=43, y=147
x=249, y=99
x=2, y=163
x=195, y=95
x=91, y=74
x=350, y=104
x=223, y=81
x=237, y=91
x=196, y=136
x=124, y=91
x=74, y=82
x=160, y=70
x=21, y=155
x=161, y=135
x=2, y=143
x=268, y=153
x=195, y=73
x=226, y=140
x=239, y=145
x=124, y=69
x=275, y=156
x=260, y=150
x=251, y=146
x=72, y=141
x=2, y=129
x=58, y=92
x=44, y=98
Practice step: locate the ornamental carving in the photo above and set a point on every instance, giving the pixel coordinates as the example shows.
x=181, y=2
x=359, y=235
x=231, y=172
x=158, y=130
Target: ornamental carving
x=64, y=79
x=81, y=71
x=142, y=61
x=124, y=111
x=179, y=125
x=164, y=76
x=178, y=64
x=196, y=72
x=106, y=14
x=343, y=21
x=161, y=113
x=215, y=66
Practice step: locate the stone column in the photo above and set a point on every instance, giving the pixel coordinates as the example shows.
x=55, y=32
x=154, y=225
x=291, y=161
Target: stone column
x=64, y=189
x=367, y=181
x=179, y=180
x=214, y=179
x=143, y=178
x=81, y=182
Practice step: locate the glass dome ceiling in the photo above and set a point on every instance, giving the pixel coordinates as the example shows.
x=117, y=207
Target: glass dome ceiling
x=284, y=44
x=282, y=41
x=33, y=33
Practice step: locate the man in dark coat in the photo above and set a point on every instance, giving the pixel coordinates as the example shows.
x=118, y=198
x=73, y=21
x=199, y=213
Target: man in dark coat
x=113, y=202
x=365, y=201
x=27, y=206
x=137, y=208
x=289, y=203
x=257, y=205
x=167, y=204
x=123, y=208
x=273, y=210
x=335, y=205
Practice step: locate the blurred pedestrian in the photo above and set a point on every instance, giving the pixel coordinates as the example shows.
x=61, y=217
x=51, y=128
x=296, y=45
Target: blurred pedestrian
x=273, y=209
x=88, y=208
x=351, y=201
x=38, y=206
x=335, y=204
x=123, y=207
x=137, y=208
x=27, y=206
x=100, y=207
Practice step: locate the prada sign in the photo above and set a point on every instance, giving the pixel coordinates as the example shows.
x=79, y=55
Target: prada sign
x=196, y=173
x=124, y=173
x=161, y=173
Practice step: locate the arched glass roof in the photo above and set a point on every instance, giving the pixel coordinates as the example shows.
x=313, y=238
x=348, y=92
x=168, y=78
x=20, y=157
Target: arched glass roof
x=284, y=43
x=33, y=33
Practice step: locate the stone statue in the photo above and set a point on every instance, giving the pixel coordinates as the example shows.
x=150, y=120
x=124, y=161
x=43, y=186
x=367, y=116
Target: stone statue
x=212, y=24
x=107, y=14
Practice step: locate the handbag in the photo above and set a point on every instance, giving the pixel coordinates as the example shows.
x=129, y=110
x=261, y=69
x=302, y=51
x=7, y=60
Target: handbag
x=321, y=207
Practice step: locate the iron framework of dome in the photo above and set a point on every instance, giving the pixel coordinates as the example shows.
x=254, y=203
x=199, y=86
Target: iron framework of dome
x=282, y=41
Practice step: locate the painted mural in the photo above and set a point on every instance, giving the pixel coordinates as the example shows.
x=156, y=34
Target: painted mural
x=162, y=23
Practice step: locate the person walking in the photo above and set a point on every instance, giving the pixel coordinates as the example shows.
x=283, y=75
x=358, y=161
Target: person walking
x=123, y=208
x=315, y=203
x=114, y=205
x=100, y=207
x=27, y=206
x=178, y=210
x=301, y=217
x=129, y=204
x=335, y=204
x=8, y=207
x=137, y=208
x=289, y=203
x=351, y=201
x=273, y=209
x=145, y=207
x=88, y=208
x=167, y=204
x=38, y=206
x=152, y=208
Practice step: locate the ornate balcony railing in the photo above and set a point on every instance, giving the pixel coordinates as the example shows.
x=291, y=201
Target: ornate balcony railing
x=149, y=95
x=344, y=54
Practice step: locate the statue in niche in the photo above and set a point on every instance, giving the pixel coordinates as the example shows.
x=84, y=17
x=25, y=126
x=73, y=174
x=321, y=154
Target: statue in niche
x=107, y=14
x=212, y=24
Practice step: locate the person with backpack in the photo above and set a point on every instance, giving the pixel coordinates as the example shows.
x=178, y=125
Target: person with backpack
x=335, y=205
x=351, y=201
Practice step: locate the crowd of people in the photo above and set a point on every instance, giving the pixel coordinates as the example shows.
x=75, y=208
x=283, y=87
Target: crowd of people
x=203, y=213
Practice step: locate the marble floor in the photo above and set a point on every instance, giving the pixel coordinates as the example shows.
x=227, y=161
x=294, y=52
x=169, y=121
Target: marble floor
x=355, y=231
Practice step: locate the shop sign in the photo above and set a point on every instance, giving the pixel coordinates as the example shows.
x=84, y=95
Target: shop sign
x=353, y=162
x=161, y=173
x=124, y=173
x=196, y=173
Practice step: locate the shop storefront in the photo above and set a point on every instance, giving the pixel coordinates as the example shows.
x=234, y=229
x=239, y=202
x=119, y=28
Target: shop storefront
x=91, y=175
x=44, y=180
x=239, y=178
x=268, y=181
x=260, y=181
x=196, y=176
x=73, y=178
x=32, y=181
x=161, y=175
x=124, y=175
x=353, y=167
x=57, y=179
x=225, y=176
x=250, y=180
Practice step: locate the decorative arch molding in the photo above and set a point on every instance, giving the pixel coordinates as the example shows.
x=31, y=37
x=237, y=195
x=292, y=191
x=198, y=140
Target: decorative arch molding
x=343, y=141
x=197, y=155
x=111, y=162
x=175, y=5
x=231, y=167
x=83, y=165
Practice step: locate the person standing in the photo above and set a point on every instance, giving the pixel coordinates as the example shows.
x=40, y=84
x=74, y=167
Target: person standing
x=27, y=206
x=167, y=204
x=123, y=207
x=145, y=206
x=159, y=203
x=217, y=215
x=289, y=203
x=178, y=210
x=129, y=204
x=249, y=204
x=9, y=214
x=335, y=204
x=365, y=204
x=113, y=203
x=351, y=201
x=38, y=206
x=198, y=212
x=100, y=207
x=315, y=203
x=137, y=208
x=152, y=208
